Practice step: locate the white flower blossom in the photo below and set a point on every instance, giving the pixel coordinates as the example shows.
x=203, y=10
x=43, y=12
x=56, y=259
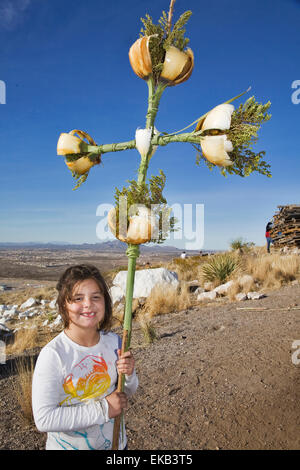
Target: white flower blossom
x=143, y=141
x=218, y=118
x=215, y=148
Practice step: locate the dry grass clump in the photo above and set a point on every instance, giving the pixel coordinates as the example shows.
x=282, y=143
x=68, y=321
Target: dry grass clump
x=147, y=328
x=235, y=289
x=273, y=270
x=167, y=299
x=24, y=339
x=187, y=269
x=30, y=338
x=22, y=387
x=238, y=287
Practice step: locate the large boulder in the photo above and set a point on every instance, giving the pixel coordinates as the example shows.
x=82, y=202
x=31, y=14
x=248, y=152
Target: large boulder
x=145, y=280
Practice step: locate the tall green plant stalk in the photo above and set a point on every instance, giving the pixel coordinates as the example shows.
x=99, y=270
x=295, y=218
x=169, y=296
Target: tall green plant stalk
x=132, y=252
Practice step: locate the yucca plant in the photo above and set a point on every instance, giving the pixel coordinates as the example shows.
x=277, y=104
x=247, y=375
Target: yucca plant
x=219, y=268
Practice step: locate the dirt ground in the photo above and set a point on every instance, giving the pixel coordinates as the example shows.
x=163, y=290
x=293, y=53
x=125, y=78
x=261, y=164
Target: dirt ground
x=219, y=376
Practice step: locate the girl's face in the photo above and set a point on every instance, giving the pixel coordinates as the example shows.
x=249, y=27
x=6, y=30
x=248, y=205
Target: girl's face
x=87, y=306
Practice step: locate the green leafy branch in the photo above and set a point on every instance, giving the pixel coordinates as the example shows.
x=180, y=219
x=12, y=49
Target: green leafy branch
x=151, y=196
x=162, y=38
x=243, y=133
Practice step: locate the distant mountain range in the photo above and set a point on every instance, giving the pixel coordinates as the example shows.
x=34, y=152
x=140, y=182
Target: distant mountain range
x=109, y=246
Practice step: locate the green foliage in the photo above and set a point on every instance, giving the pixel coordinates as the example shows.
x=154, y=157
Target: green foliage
x=243, y=133
x=163, y=37
x=149, y=195
x=239, y=243
x=219, y=268
x=79, y=179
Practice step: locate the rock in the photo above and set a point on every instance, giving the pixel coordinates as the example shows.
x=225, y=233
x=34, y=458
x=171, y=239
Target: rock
x=29, y=303
x=223, y=288
x=2, y=308
x=23, y=315
x=207, y=295
x=46, y=322
x=4, y=287
x=145, y=280
x=5, y=332
x=255, y=295
x=208, y=286
x=3, y=327
x=199, y=290
x=33, y=313
x=9, y=314
x=57, y=321
x=193, y=286
x=52, y=304
x=245, y=279
x=241, y=296
x=116, y=294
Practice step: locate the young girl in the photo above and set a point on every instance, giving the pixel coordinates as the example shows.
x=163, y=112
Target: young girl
x=73, y=389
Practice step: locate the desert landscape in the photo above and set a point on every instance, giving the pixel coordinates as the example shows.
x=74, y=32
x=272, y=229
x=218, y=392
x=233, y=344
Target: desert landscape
x=216, y=360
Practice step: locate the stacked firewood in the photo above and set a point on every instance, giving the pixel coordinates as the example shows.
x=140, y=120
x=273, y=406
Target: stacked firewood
x=286, y=226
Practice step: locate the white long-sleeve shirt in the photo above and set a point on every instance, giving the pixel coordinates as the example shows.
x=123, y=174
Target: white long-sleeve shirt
x=70, y=383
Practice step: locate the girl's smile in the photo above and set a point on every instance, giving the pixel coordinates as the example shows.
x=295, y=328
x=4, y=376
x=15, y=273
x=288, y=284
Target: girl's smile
x=86, y=309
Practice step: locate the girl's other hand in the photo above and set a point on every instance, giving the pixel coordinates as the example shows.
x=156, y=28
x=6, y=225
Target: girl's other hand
x=117, y=401
x=125, y=364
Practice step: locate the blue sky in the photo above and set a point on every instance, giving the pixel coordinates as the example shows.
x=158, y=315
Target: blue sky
x=65, y=66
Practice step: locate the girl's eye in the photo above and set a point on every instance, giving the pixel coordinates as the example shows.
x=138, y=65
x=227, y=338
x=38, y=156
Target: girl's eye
x=97, y=297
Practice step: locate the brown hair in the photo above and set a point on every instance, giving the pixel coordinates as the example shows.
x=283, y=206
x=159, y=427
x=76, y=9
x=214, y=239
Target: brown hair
x=68, y=281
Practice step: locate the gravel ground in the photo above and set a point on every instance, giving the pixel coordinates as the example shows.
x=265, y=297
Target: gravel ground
x=219, y=376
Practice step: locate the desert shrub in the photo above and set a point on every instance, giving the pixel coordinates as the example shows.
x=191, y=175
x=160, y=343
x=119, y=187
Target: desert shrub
x=167, y=299
x=233, y=290
x=26, y=338
x=22, y=387
x=187, y=269
x=272, y=271
x=241, y=244
x=147, y=328
x=219, y=268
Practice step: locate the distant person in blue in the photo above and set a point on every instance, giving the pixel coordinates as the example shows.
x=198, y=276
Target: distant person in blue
x=268, y=236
